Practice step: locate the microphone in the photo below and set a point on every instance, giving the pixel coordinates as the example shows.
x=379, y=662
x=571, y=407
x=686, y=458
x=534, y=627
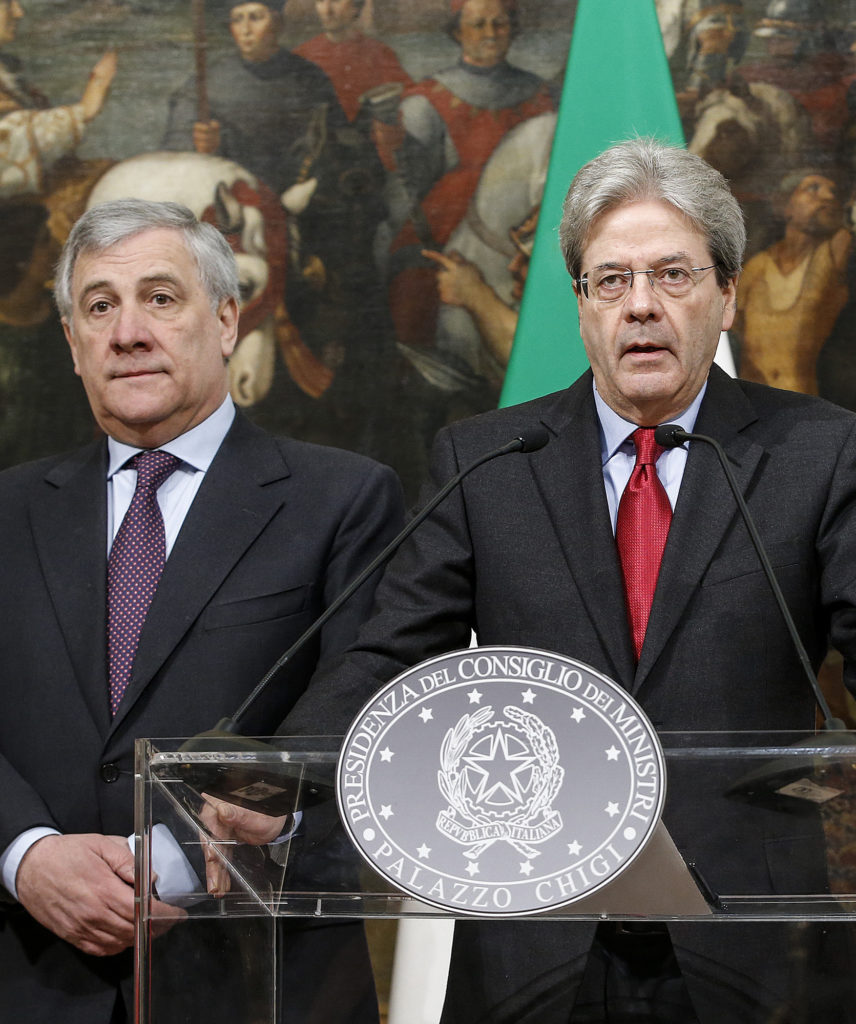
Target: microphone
x=271, y=794
x=763, y=785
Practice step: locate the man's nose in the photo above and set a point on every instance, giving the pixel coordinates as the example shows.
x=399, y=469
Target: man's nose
x=642, y=300
x=130, y=329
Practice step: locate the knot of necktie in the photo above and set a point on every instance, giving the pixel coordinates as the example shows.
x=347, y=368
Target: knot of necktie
x=153, y=468
x=647, y=449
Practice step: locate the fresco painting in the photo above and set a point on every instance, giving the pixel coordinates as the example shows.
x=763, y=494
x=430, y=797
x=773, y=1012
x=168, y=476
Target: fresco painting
x=378, y=170
x=767, y=93
x=332, y=142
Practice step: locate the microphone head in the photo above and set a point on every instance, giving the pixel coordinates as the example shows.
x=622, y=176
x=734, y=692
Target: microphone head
x=533, y=439
x=670, y=435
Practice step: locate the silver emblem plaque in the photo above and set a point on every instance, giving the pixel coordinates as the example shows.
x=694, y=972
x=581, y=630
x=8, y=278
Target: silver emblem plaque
x=500, y=781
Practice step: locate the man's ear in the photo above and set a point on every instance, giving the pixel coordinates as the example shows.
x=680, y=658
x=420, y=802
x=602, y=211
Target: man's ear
x=72, y=344
x=228, y=315
x=729, y=309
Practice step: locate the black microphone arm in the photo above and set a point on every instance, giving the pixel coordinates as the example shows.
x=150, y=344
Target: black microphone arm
x=670, y=435
x=534, y=439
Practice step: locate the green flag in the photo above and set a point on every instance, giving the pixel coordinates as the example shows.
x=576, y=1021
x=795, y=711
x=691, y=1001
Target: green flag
x=617, y=85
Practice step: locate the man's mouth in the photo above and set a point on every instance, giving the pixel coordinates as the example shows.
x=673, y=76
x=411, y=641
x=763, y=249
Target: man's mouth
x=141, y=372
x=646, y=349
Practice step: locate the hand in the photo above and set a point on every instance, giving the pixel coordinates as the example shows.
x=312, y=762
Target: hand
x=229, y=822
x=206, y=136
x=388, y=139
x=81, y=887
x=100, y=80
x=459, y=281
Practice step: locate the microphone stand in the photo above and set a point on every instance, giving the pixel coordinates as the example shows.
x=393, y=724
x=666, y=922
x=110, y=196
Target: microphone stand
x=228, y=728
x=277, y=788
x=762, y=784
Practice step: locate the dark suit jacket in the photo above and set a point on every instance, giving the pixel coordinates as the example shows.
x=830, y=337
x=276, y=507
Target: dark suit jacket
x=277, y=529
x=523, y=553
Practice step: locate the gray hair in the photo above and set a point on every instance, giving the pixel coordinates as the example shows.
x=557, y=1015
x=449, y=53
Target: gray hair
x=642, y=169
x=108, y=224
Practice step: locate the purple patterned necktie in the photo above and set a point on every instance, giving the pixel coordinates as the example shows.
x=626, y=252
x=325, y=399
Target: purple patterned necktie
x=136, y=562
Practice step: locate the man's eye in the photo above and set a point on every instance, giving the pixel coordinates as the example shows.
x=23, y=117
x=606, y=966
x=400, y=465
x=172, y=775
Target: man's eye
x=674, y=275
x=612, y=281
x=161, y=299
x=101, y=306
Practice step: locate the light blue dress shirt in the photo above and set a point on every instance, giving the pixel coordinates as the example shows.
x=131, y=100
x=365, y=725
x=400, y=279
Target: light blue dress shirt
x=618, y=453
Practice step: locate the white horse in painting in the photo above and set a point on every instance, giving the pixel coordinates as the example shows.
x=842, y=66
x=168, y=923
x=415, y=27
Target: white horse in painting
x=511, y=184
x=254, y=221
x=200, y=182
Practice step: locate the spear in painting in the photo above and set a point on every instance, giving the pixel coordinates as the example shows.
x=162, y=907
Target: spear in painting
x=200, y=47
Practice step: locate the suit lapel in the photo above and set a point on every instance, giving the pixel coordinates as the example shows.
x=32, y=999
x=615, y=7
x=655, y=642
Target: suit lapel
x=569, y=475
x=69, y=523
x=704, y=510
x=237, y=499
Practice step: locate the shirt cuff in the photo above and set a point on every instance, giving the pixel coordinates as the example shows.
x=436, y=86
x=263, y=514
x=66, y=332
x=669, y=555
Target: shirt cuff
x=174, y=875
x=14, y=854
x=283, y=837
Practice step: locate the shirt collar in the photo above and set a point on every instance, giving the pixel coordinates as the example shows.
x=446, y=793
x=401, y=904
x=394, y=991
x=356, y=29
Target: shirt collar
x=614, y=429
x=196, y=448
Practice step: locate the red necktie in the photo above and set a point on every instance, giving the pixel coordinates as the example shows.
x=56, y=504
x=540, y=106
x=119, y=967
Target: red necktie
x=644, y=517
x=136, y=562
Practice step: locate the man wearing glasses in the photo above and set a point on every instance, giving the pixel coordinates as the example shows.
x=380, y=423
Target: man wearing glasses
x=544, y=551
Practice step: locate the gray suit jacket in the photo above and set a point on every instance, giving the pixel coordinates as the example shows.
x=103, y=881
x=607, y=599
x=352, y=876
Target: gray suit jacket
x=523, y=553
x=277, y=529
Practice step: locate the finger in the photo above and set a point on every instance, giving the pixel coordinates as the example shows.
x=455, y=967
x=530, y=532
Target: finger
x=119, y=857
x=438, y=257
x=243, y=824
x=218, y=881
x=164, y=916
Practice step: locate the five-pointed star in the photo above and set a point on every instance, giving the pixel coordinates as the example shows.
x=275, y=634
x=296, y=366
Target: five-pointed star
x=499, y=770
x=386, y=754
x=578, y=714
x=423, y=850
x=472, y=868
x=426, y=714
x=612, y=753
x=528, y=696
x=526, y=868
x=386, y=811
x=475, y=696
x=574, y=848
x=611, y=809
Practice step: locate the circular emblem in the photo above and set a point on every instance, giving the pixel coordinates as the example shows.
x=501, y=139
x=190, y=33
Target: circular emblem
x=500, y=781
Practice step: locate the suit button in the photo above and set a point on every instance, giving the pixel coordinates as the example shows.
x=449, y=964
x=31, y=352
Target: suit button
x=109, y=772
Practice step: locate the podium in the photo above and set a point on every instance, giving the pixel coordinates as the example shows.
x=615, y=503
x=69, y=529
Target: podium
x=756, y=828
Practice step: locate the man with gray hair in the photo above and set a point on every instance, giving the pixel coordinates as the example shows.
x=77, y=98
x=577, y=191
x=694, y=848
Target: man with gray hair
x=648, y=576
x=153, y=578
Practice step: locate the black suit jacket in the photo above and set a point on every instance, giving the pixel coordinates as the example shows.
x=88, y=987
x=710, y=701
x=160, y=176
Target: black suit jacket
x=523, y=553
x=277, y=529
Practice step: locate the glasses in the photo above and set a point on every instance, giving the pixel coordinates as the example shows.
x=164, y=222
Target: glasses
x=613, y=283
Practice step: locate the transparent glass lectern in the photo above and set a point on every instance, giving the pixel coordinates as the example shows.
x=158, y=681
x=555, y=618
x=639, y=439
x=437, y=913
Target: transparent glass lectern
x=756, y=827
